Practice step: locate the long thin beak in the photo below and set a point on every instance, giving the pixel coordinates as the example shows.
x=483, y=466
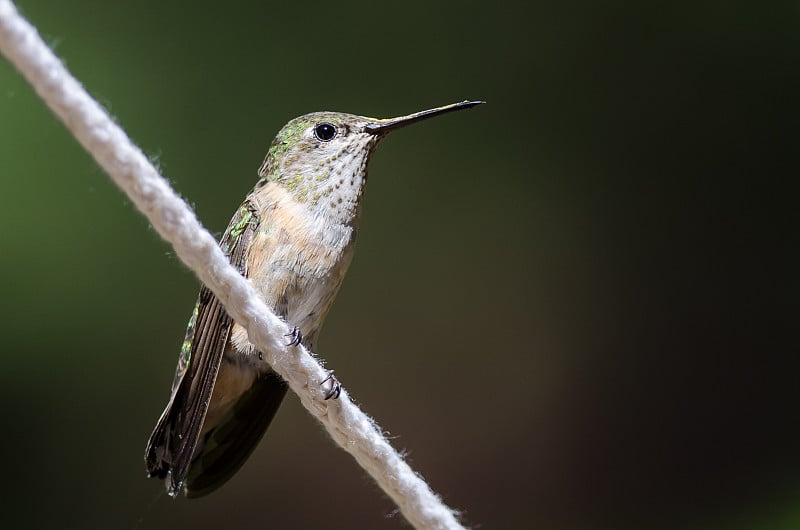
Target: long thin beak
x=384, y=126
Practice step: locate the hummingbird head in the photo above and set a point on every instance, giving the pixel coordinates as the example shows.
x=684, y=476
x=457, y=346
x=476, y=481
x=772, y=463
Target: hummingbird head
x=321, y=158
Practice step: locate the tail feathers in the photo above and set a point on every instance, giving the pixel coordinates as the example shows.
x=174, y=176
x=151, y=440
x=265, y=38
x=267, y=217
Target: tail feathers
x=220, y=452
x=225, y=448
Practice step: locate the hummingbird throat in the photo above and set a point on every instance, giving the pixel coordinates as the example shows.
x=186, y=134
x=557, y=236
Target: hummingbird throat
x=329, y=179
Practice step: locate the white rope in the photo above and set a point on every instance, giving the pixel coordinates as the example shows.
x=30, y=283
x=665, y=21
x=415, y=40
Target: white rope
x=175, y=221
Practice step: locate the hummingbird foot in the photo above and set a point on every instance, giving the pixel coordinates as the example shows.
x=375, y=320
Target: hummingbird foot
x=336, y=386
x=297, y=336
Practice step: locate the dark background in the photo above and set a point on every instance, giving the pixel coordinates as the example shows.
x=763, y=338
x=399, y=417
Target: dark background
x=575, y=307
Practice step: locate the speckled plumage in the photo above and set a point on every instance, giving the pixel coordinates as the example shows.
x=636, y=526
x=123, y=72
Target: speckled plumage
x=293, y=238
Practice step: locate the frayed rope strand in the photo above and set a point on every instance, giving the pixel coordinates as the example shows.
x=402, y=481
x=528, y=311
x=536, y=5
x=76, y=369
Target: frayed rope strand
x=176, y=222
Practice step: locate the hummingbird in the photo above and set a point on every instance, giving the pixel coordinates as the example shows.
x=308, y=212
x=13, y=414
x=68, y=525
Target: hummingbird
x=293, y=238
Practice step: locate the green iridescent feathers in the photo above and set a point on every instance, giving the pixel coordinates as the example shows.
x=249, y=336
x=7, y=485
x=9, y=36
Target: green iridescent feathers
x=171, y=447
x=231, y=239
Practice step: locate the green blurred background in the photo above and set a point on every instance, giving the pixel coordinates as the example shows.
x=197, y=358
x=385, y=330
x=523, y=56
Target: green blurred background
x=574, y=307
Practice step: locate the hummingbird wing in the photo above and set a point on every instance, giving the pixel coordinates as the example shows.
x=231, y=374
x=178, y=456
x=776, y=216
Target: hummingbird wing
x=175, y=437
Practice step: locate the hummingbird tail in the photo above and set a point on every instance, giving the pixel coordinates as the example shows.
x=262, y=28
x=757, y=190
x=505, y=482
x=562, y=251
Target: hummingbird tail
x=225, y=448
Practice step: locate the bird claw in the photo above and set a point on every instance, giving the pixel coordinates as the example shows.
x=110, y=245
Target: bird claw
x=297, y=336
x=336, y=386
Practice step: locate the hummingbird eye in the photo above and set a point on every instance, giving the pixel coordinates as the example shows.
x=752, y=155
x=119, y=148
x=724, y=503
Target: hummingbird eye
x=325, y=132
